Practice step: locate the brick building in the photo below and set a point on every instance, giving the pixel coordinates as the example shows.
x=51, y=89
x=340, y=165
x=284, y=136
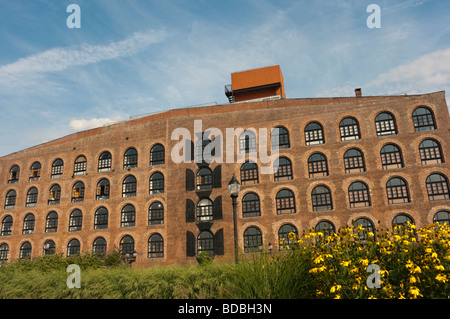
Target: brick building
x=369, y=160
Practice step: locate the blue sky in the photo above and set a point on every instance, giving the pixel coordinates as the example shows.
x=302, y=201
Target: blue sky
x=143, y=56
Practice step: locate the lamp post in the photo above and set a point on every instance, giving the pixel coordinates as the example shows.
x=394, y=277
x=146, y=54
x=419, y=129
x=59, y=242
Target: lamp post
x=233, y=188
x=131, y=257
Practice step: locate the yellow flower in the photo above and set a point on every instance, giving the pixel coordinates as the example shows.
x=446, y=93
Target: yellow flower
x=440, y=267
x=318, y=260
x=442, y=278
x=335, y=288
x=412, y=280
x=337, y=297
x=346, y=263
x=415, y=292
x=364, y=262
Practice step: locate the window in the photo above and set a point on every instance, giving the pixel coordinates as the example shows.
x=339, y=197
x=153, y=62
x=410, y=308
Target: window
x=126, y=245
x=49, y=248
x=104, y=162
x=25, y=251
x=102, y=191
x=156, y=183
x=14, y=173
x=35, y=171
x=385, y=124
x=99, y=246
x=32, y=197
x=247, y=142
x=57, y=168
x=130, y=158
x=156, y=214
x=7, y=223
x=326, y=227
x=282, y=168
x=128, y=216
x=437, y=187
x=155, y=246
x=73, y=247
x=80, y=166
x=205, y=210
x=321, y=198
x=314, y=134
x=280, y=138
x=51, y=222
x=204, y=179
x=252, y=240
x=205, y=243
x=401, y=220
x=442, y=217
x=129, y=186
x=317, y=165
x=354, y=161
x=430, y=152
x=423, y=119
x=75, y=220
x=284, y=234
x=285, y=202
x=397, y=191
x=78, y=192
x=28, y=224
x=54, y=195
x=349, y=129
x=250, y=205
x=249, y=173
x=101, y=218
x=4, y=252
x=157, y=155
x=10, y=201
x=358, y=195
x=391, y=157
x=363, y=227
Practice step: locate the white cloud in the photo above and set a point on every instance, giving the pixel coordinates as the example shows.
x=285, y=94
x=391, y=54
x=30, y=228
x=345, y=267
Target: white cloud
x=85, y=124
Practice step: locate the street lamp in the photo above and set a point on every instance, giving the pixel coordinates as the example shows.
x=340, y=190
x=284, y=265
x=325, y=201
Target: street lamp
x=131, y=257
x=233, y=188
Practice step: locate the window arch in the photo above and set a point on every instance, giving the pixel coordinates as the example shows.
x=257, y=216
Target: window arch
x=99, y=246
x=354, y=161
x=35, y=171
x=430, y=152
x=205, y=210
x=51, y=222
x=28, y=224
x=54, y=194
x=423, y=119
x=251, y=205
x=105, y=162
x=128, y=216
x=317, y=165
x=80, y=164
x=4, y=252
x=358, y=195
x=25, y=250
x=252, y=239
x=155, y=246
x=204, y=178
x=385, y=124
x=247, y=142
x=10, y=200
x=156, y=214
x=75, y=220
x=363, y=228
x=101, y=218
x=401, y=220
x=78, y=192
x=285, y=201
x=49, y=248
x=442, y=217
x=130, y=158
x=14, y=174
x=57, y=168
x=280, y=138
x=205, y=243
x=102, y=191
x=314, y=134
x=7, y=224
x=349, y=129
x=126, y=245
x=157, y=155
x=321, y=198
x=437, y=187
x=397, y=191
x=129, y=186
x=391, y=157
x=156, y=185
x=73, y=247
x=284, y=234
x=326, y=227
x=249, y=173
x=32, y=197
x=282, y=168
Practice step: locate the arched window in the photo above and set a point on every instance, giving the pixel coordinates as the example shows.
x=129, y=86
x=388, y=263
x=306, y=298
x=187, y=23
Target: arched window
x=397, y=191
x=321, y=198
x=129, y=186
x=354, y=161
x=57, y=168
x=423, y=119
x=126, y=245
x=437, y=187
x=250, y=205
x=25, y=250
x=130, y=158
x=157, y=155
x=391, y=157
x=101, y=218
x=4, y=252
x=285, y=202
x=7, y=223
x=283, y=234
x=249, y=173
x=442, y=217
x=73, y=247
x=205, y=210
x=78, y=192
x=32, y=197
x=10, y=201
x=280, y=138
x=314, y=134
x=51, y=222
x=204, y=179
x=54, y=194
x=104, y=162
x=35, y=171
x=99, y=246
x=128, y=216
x=102, y=191
x=155, y=246
x=363, y=227
x=156, y=214
x=349, y=129
x=247, y=142
x=252, y=240
x=205, y=243
x=49, y=248
x=317, y=165
x=14, y=173
x=79, y=167
x=358, y=195
x=28, y=224
x=326, y=227
x=75, y=220
x=400, y=221
x=430, y=152
x=282, y=168
x=385, y=124
x=156, y=185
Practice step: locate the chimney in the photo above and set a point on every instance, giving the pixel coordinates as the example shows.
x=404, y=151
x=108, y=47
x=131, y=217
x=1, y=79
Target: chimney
x=358, y=92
